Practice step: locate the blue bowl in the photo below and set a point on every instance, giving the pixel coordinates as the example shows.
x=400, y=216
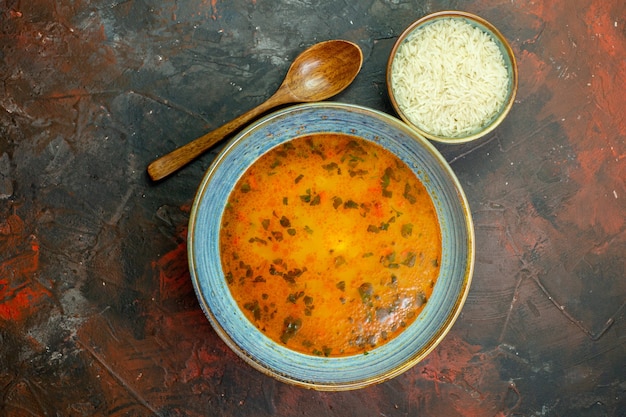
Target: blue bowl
x=331, y=373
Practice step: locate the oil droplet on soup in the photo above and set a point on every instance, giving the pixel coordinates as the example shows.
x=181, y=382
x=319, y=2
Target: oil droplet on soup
x=330, y=245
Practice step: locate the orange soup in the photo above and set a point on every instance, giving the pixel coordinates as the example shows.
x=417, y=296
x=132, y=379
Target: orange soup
x=330, y=245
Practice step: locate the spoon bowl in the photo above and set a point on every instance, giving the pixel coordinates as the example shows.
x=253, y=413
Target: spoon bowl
x=323, y=71
x=318, y=73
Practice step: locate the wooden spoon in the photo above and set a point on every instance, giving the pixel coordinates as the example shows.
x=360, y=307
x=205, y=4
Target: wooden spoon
x=320, y=72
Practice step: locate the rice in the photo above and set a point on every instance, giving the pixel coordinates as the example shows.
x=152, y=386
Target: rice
x=449, y=78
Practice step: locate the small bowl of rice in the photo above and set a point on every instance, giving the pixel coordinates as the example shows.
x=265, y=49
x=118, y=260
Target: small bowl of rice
x=452, y=76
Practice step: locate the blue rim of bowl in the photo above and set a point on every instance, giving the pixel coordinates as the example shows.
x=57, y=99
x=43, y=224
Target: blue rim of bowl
x=509, y=60
x=332, y=373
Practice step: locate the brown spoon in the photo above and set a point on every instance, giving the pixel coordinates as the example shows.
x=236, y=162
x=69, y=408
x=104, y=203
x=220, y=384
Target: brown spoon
x=320, y=72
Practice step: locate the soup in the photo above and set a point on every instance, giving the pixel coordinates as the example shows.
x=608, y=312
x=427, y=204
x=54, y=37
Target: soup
x=330, y=245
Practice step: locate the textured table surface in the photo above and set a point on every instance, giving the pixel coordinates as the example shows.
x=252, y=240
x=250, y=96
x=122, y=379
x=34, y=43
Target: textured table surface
x=97, y=312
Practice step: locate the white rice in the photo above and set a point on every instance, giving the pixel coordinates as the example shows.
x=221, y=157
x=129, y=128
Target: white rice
x=449, y=78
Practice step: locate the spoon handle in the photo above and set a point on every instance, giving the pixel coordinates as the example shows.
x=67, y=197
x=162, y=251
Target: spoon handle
x=178, y=158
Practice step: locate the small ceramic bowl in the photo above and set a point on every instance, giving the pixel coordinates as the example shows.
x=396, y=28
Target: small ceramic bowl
x=433, y=97
x=275, y=359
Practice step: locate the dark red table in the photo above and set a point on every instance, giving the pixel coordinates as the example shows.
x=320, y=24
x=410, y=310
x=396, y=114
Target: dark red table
x=97, y=312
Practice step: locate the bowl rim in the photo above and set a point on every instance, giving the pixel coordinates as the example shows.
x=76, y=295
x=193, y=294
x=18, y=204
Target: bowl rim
x=442, y=330
x=498, y=37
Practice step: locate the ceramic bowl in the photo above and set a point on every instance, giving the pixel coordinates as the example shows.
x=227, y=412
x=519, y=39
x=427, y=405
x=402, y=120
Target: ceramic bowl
x=331, y=373
x=509, y=62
